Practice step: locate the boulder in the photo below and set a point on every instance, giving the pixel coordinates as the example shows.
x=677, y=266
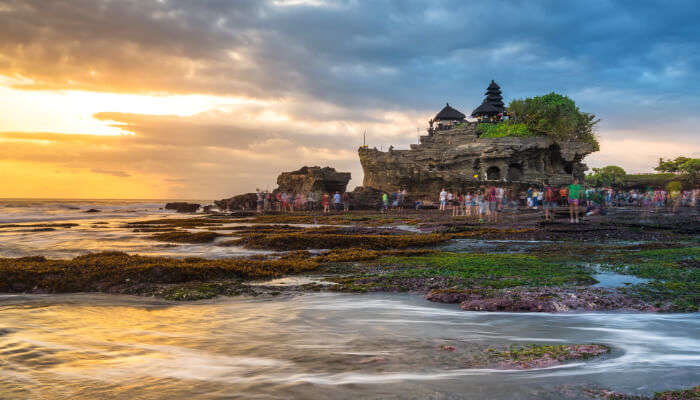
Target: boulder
x=246, y=201
x=182, y=207
x=365, y=198
x=313, y=179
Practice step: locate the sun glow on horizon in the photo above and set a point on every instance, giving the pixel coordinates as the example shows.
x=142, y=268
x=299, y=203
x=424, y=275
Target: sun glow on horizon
x=73, y=111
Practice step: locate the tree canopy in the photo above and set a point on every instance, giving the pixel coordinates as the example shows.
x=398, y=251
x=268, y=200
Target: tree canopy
x=556, y=116
x=611, y=176
x=680, y=166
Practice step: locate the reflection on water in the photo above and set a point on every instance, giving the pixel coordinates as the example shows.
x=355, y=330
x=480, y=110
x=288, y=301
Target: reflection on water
x=95, y=232
x=319, y=346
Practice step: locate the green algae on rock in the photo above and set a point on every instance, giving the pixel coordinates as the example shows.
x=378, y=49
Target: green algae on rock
x=543, y=356
x=120, y=272
x=297, y=241
x=185, y=237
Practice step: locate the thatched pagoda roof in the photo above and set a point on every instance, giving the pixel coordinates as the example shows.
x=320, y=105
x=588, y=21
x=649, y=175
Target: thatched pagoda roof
x=449, y=113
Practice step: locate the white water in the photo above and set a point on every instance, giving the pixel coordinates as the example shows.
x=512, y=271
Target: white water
x=321, y=346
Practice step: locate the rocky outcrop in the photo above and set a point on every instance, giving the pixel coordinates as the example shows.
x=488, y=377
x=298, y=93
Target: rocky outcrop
x=246, y=201
x=183, y=207
x=365, y=198
x=458, y=159
x=313, y=179
x=552, y=299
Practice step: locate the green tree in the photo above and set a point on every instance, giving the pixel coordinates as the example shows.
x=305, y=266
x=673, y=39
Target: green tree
x=612, y=176
x=555, y=116
x=672, y=166
x=691, y=168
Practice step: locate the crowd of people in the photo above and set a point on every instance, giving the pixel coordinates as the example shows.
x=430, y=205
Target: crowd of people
x=289, y=202
x=489, y=202
x=486, y=203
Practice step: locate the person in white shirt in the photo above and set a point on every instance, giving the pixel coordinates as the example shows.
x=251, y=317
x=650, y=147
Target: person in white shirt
x=443, y=199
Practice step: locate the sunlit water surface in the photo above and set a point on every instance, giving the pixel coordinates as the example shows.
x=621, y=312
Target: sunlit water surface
x=101, y=231
x=327, y=346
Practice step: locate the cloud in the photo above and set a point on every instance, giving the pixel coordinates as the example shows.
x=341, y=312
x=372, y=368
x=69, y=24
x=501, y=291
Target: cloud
x=211, y=154
x=310, y=76
x=120, y=174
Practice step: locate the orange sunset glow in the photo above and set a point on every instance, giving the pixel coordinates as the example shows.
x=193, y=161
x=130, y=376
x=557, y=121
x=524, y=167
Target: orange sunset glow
x=157, y=99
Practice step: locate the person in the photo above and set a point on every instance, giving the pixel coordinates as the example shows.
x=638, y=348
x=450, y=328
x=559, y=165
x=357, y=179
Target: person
x=385, y=201
x=301, y=201
x=260, y=200
x=501, y=201
x=549, y=202
x=419, y=204
x=336, y=201
x=404, y=192
x=468, y=205
x=481, y=200
x=266, y=201
x=563, y=195
x=326, y=202
x=492, y=200
x=443, y=199
x=311, y=201
x=346, y=201
x=290, y=201
x=574, y=195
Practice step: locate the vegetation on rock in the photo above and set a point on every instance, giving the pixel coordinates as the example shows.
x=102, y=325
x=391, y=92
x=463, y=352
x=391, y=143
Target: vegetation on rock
x=504, y=129
x=185, y=237
x=539, y=356
x=301, y=241
x=555, y=116
x=102, y=271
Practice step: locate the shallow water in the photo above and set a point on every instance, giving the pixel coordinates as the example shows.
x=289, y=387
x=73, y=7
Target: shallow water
x=320, y=346
x=95, y=232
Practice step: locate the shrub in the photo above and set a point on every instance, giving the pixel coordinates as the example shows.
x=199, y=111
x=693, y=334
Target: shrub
x=504, y=129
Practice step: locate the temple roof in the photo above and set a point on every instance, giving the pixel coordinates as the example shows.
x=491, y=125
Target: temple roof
x=493, y=103
x=493, y=86
x=487, y=109
x=449, y=113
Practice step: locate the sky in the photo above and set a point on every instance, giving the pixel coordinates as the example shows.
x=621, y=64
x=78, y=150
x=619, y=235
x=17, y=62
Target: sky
x=207, y=99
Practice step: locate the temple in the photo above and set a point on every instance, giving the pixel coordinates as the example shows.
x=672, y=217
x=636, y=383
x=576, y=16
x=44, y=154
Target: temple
x=453, y=155
x=447, y=118
x=492, y=108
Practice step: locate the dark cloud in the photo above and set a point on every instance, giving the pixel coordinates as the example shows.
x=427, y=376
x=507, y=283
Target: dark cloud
x=378, y=53
x=333, y=66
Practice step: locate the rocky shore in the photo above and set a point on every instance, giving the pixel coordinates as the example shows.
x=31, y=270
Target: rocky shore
x=408, y=252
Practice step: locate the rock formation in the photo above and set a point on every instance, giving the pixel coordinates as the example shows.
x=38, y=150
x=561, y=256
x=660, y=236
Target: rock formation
x=182, y=207
x=246, y=201
x=313, y=179
x=457, y=159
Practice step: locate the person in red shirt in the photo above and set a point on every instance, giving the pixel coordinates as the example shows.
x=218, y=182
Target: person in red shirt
x=326, y=202
x=549, y=202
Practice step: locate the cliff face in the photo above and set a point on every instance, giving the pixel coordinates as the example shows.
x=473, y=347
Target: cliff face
x=452, y=158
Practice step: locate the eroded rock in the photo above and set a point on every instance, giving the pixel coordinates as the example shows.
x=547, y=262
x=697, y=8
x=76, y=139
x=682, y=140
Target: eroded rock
x=458, y=159
x=313, y=179
x=182, y=207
